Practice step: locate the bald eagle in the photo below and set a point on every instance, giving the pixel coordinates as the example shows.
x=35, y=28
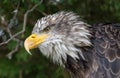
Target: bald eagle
x=85, y=51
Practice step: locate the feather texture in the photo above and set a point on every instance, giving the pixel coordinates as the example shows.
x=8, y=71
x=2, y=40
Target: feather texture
x=106, y=46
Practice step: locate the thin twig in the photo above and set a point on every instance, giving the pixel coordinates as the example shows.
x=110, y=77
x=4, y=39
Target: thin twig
x=9, y=32
x=21, y=74
x=26, y=14
x=43, y=13
x=9, y=55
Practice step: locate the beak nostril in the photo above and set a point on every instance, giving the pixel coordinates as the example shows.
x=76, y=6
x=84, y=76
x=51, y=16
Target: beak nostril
x=32, y=36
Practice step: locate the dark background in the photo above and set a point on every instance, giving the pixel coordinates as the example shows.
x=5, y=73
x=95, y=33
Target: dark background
x=15, y=62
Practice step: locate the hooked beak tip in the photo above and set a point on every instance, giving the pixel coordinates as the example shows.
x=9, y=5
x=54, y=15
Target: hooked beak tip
x=26, y=46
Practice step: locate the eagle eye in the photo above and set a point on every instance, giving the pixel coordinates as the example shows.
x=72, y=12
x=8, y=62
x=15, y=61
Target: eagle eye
x=46, y=29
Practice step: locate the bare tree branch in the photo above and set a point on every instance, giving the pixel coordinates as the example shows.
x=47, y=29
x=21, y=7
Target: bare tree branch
x=24, y=24
x=8, y=26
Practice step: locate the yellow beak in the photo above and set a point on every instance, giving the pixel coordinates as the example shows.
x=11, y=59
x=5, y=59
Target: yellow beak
x=33, y=41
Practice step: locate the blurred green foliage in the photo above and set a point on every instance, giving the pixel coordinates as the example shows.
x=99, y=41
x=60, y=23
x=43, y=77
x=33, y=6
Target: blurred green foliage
x=23, y=65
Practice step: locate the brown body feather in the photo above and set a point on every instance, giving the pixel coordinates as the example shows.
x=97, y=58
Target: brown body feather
x=102, y=60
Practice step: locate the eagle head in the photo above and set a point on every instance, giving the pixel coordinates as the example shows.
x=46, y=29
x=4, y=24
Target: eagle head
x=58, y=35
